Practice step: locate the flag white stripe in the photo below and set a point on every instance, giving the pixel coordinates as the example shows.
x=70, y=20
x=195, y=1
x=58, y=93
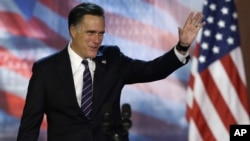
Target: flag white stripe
x=190, y=94
x=59, y=26
x=236, y=56
x=9, y=6
x=229, y=95
x=195, y=134
x=131, y=48
x=136, y=96
x=190, y=97
x=208, y=110
x=34, y=49
x=16, y=83
x=167, y=23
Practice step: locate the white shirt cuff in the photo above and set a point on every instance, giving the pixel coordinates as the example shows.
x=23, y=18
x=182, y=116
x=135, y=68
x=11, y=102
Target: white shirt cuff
x=180, y=56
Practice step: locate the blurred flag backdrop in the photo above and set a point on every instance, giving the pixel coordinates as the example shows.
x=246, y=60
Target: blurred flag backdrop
x=143, y=29
x=217, y=95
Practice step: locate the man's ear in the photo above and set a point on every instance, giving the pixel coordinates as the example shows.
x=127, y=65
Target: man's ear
x=73, y=31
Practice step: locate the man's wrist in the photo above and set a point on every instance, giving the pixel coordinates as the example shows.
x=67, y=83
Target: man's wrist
x=181, y=48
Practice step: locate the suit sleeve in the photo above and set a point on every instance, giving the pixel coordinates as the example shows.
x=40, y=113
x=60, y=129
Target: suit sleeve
x=33, y=109
x=138, y=71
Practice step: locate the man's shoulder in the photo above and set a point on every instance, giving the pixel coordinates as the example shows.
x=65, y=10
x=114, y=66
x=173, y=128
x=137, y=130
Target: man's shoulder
x=109, y=50
x=52, y=58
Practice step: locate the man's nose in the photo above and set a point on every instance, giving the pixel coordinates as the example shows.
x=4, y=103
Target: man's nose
x=97, y=38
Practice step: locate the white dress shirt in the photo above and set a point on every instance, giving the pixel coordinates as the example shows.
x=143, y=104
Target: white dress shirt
x=77, y=71
x=180, y=56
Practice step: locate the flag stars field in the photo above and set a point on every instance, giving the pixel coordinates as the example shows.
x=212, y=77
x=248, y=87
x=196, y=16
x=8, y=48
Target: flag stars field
x=210, y=20
x=207, y=33
x=224, y=11
x=216, y=49
x=233, y=28
x=218, y=36
x=212, y=7
x=221, y=24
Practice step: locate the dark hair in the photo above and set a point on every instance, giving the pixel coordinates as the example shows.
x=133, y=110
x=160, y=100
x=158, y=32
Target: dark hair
x=77, y=13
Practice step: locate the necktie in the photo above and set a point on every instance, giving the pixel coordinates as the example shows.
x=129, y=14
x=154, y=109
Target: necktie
x=86, y=101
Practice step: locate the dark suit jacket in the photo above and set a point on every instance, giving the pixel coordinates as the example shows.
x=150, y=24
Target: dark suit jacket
x=51, y=91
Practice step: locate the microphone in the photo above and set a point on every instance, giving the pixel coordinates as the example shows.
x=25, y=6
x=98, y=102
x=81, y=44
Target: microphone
x=106, y=118
x=126, y=114
x=126, y=111
x=112, y=130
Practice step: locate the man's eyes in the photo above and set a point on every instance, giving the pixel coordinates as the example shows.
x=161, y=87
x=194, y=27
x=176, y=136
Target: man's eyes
x=93, y=33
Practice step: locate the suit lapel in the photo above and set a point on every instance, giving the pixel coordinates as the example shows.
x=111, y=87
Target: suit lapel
x=65, y=73
x=101, y=65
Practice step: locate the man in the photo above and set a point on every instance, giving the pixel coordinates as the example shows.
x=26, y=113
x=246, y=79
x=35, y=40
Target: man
x=55, y=87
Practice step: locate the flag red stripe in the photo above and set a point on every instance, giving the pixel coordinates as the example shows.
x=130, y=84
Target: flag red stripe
x=36, y=29
x=191, y=81
x=13, y=63
x=165, y=40
x=6, y=103
x=161, y=40
x=196, y=50
x=188, y=113
x=16, y=109
x=201, y=123
x=13, y=23
x=55, y=5
x=33, y=29
x=50, y=37
x=239, y=86
x=142, y=124
x=170, y=6
x=217, y=100
x=156, y=89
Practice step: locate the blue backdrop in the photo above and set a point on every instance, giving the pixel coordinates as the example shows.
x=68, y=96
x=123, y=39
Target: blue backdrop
x=143, y=29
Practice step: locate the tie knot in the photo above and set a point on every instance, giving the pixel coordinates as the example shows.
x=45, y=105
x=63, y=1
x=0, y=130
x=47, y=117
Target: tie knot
x=85, y=63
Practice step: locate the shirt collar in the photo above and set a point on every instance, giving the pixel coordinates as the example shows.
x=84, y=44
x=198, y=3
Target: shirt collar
x=76, y=60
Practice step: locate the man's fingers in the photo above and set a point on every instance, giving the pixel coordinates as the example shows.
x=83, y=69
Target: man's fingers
x=189, y=19
x=199, y=18
x=194, y=19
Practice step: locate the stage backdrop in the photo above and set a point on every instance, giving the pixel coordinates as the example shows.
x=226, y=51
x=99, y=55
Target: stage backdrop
x=143, y=29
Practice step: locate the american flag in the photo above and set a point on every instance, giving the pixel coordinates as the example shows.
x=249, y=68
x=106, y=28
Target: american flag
x=217, y=95
x=143, y=29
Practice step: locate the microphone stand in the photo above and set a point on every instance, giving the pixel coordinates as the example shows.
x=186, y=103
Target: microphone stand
x=114, y=132
x=126, y=122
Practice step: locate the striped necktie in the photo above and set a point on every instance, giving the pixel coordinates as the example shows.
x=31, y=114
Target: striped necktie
x=86, y=101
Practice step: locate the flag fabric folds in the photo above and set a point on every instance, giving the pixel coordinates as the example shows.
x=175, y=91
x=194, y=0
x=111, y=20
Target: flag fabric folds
x=217, y=95
x=143, y=29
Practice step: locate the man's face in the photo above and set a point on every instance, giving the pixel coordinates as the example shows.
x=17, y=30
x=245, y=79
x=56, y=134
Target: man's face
x=87, y=36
